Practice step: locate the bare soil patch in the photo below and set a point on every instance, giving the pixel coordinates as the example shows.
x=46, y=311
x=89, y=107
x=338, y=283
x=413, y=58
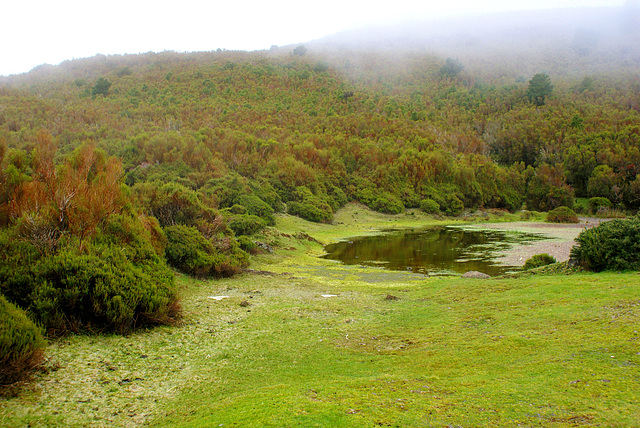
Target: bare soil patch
x=561, y=238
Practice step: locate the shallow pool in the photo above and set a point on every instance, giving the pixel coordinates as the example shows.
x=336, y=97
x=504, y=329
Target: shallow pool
x=445, y=250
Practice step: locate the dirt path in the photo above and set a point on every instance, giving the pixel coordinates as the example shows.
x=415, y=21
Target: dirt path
x=562, y=238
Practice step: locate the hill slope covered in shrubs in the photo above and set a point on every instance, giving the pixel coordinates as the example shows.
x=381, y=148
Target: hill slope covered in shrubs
x=114, y=168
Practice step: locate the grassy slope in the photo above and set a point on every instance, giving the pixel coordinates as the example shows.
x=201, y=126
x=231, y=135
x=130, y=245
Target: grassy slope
x=536, y=350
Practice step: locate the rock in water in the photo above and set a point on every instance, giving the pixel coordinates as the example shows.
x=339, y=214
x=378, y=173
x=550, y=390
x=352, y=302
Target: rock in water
x=476, y=274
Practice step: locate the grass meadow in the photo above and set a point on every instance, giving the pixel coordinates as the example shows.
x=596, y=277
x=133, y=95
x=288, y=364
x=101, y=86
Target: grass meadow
x=305, y=342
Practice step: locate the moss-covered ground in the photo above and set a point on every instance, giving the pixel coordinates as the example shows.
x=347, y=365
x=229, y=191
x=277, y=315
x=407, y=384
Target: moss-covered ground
x=385, y=349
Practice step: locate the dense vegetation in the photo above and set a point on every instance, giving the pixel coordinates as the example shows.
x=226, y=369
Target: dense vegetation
x=113, y=168
x=73, y=250
x=307, y=133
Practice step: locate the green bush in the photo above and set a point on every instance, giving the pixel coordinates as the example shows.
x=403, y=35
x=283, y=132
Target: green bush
x=387, y=203
x=562, y=215
x=21, y=344
x=101, y=291
x=453, y=206
x=309, y=212
x=257, y=207
x=429, y=206
x=190, y=252
x=246, y=244
x=173, y=203
x=612, y=245
x=265, y=191
x=246, y=224
x=598, y=202
x=337, y=197
x=539, y=260
x=236, y=209
x=115, y=283
x=101, y=87
x=384, y=202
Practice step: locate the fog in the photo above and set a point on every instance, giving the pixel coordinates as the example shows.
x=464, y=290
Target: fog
x=562, y=41
x=39, y=31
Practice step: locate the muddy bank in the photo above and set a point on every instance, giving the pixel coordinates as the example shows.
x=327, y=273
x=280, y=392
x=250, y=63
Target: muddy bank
x=561, y=237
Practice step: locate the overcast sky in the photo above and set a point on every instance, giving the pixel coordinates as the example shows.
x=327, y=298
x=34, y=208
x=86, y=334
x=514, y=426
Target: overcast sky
x=35, y=32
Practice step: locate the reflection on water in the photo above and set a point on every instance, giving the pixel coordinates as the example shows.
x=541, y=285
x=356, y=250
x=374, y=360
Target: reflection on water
x=433, y=251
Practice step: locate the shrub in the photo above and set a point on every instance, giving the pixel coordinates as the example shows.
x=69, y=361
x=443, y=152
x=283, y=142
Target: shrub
x=429, y=206
x=387, y=203
x=190, y=252
x=111, y=285
x=265, y=191
x=410, y=198
x=236, y=209
x=101, y=87
x=544, y=189
x=76, y=255
x=613, y=245
x=601, y=182
x=384, y=202
x=562, y=215
x=598, y=202
x=21, y=344
x=246, y=224
x=257, y=207
x=309, y=212
x=246, y=244
x=337, y=197
x=604, y=212
x=539, y=260
x=103, y=291
x=173, y=203
x=453, y=205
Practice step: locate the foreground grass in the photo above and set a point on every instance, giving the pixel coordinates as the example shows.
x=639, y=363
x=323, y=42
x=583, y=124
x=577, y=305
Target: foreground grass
x=389, y=349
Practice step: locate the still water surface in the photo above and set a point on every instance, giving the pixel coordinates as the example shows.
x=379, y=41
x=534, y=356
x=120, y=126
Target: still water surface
x=434, y=251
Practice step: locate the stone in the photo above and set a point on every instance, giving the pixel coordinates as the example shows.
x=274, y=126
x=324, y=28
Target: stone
x=476, y=274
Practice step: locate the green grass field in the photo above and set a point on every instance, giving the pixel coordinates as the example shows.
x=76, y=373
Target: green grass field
x=388, y=349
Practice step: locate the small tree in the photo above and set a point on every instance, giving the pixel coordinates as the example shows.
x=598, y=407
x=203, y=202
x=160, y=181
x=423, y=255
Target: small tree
x=539, y=89
x=101, y=87
x=601, y=182
x=451, y=68
x=300, y=50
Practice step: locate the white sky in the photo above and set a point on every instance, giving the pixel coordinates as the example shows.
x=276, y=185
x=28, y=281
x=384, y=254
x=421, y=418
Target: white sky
x=34, y=32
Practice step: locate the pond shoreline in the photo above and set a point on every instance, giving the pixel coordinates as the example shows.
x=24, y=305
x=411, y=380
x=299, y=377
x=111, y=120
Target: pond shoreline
x=561, y=238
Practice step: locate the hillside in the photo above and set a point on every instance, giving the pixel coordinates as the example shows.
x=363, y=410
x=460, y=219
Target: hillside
x=392, y=126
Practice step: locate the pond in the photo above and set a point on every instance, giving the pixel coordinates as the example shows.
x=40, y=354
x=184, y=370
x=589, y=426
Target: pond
x=445, y=250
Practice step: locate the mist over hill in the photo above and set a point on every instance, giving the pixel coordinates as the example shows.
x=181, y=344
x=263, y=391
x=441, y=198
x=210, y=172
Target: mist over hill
x=564, y=41
x=572, y=41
